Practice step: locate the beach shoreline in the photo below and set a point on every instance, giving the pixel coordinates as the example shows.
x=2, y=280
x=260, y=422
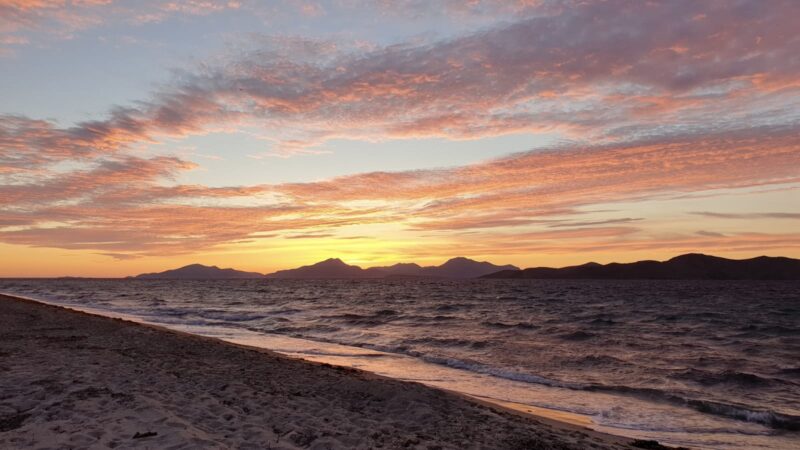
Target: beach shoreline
x=71, y=378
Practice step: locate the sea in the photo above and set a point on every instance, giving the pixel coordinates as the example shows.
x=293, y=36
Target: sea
x=701, y=364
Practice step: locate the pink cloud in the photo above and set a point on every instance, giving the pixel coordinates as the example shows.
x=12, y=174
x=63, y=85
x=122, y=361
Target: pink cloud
x=603, y=243
x=660, y=99
x=583, y=174
x=607, y=71
x=63, y=18
x=126, y=205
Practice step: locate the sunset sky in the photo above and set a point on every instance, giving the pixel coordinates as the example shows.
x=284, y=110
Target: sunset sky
x=145, y=135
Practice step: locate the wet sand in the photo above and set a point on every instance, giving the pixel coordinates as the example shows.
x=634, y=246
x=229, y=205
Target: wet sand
x=74, y=380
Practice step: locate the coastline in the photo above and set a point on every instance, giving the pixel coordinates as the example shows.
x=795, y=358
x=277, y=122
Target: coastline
x=75, y=378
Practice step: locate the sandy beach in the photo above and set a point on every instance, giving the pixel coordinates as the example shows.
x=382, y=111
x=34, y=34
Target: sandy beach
x=74, y=380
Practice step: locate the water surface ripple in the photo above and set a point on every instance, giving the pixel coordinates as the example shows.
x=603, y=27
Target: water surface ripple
x=728, y=351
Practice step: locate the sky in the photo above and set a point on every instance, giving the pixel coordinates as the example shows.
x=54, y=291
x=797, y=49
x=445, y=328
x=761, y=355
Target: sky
x=144, y=135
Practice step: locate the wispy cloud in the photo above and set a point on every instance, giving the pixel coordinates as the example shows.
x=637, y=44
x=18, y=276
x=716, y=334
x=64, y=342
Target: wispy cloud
x=710, y=233
x=749, y=216
x=607, y=71
x=559, y=178
x=123, y=204
x=310, y=236
x=604, y=243
x=62, y=19
x=657, y=99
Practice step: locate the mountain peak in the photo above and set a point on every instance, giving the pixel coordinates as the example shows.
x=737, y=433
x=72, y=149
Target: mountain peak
x=463, y=267
x=692, y=256
x=464, y=260
x=460, y=258
x=198, y=266
x=200, y=272
x=405, y=265
x=332, y=261
x=691, y=266
x=331, y=268
x=458, y=267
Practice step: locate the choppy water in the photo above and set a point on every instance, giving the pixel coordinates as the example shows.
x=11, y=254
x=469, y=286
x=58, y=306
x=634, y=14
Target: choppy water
x=700, y=363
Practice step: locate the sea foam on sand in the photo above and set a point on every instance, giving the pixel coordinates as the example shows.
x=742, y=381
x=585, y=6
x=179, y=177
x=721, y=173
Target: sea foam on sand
x=75, y=380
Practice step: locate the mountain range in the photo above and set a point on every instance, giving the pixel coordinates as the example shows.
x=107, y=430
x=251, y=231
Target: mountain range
x=335, y=268
x=199, y=272
x=692, y=266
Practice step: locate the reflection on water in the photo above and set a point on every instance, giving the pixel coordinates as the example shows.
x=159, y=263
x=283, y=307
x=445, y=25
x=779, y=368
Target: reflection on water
x=697, y=363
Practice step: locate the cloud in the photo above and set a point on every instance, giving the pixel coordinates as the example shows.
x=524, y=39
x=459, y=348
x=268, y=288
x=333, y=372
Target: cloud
x=602, y=67
x=121, y=256
x=624, y=244
x=709, y=233
x=596, y=222
x=27, y=143
x=653, y=99
x=605, y=71
x=63, y=18
x=107, y=176
x=749, y=216
x=129, y=204
x=310, y=236
x=562, y=178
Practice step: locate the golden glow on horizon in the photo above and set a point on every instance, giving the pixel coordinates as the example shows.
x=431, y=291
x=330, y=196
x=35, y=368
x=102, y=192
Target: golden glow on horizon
x=57, y=263
x=662, y=231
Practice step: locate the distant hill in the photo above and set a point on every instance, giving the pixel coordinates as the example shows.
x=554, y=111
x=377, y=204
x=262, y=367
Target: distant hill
x=330, y=268
x=404, y=269
x=464, y=268
x=199, y=272
x=692, y=266
x=336, y=268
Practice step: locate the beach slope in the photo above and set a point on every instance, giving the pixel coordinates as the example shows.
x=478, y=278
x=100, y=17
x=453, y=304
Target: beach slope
x=75, y=380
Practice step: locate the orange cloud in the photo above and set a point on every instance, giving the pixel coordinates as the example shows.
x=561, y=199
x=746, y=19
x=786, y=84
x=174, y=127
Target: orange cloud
x=536, y=74
x=656, y=102
x=123, y=205
x=607, y=245
x=565, y=177
x=62, y=18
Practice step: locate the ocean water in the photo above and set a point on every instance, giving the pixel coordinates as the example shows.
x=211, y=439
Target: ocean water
x=706, y=364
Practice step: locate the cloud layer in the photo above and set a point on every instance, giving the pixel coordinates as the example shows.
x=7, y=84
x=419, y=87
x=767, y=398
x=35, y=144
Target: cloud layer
x=653, y=99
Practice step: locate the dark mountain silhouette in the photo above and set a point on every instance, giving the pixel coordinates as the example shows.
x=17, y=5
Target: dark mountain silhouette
x=330, y=268
x=692, y=266
x=400, y=269
x=199, y=272
x=336, y=268
x=464, y=268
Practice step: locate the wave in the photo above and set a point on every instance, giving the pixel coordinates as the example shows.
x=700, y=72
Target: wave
x=791, y=371
x=166, y=312
x=230, y=316
x=771, y=419
x=601, y=360
x=576, y=336
x=477, y=367
x=763, y=382
x=601, y=322
x=707, y=378
x=377, y=318
x=298, y=331
x=315, y=352
x=745, y=413
x=448, y=342
x=506, y=326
